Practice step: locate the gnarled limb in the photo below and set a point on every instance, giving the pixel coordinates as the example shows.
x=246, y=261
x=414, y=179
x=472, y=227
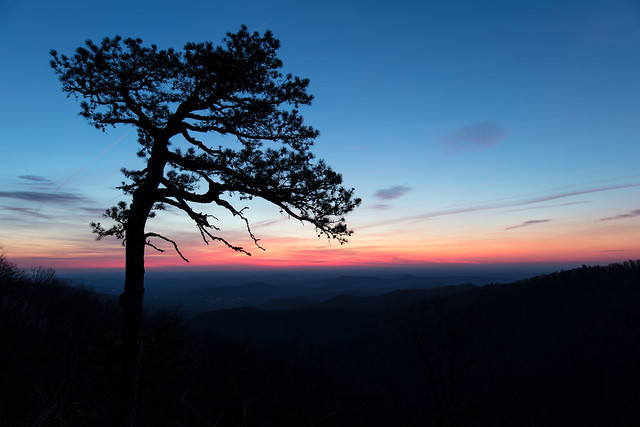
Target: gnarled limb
x=159, y=236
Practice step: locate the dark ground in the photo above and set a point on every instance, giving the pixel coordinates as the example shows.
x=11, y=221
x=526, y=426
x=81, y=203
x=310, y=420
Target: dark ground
x=557, y=349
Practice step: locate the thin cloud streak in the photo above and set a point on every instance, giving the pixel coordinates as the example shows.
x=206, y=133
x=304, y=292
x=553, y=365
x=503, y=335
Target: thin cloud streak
x=28, y=211
x=547, y=206
x=505, y=204
x=528, y=223
x=392, y=193
x=94, y=211
x=35, y=179
x=524, y=202
x=381, y=207
x=269, y=222
x=631, y=214
x=37, y=196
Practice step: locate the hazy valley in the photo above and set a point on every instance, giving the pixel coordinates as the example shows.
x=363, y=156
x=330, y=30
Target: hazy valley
x=392, y=350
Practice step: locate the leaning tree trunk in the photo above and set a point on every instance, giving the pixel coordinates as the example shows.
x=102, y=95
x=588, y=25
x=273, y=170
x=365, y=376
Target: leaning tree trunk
x=131, y=301
x=132, y=297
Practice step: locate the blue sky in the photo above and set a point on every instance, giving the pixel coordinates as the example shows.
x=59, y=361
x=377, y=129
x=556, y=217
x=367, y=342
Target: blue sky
x=475, y=132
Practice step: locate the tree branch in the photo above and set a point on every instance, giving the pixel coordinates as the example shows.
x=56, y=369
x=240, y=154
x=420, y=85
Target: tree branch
x=175, y=245
x=199, y=144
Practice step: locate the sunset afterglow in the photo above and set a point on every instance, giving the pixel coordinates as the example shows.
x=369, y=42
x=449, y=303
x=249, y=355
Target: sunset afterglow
x=473, y=135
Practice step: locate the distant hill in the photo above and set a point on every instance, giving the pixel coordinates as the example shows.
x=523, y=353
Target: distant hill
x=393, y=299
x=336, y=322
x=204, y=299
x=300, y=293
x=557, y=349
x=287, y=304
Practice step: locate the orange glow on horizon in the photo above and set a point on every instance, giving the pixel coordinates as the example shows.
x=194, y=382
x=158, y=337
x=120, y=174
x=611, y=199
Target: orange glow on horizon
x=490, y=255
x=367, y=250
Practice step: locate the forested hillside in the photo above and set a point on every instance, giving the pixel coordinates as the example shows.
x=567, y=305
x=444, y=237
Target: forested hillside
x=553, y=350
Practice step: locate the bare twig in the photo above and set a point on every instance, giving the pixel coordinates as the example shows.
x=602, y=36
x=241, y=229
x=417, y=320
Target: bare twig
x=166, y=239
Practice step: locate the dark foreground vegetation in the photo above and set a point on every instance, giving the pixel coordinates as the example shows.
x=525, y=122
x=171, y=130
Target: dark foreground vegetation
x=554, y=350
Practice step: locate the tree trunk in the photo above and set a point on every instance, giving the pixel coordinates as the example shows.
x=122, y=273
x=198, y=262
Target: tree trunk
x=132, y=297
x=132, y=302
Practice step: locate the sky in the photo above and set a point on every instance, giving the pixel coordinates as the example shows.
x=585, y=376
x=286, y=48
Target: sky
x=475, y=132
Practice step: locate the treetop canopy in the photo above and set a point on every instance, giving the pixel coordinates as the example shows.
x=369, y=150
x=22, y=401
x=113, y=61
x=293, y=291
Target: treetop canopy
x=234, y=89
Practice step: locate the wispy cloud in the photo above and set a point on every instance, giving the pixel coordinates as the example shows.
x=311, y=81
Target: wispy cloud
x=38, y=196
x=528, y=223
x=93, y=210
x=27, y=211
x=380, y=207
x=35, y=179
x=269, y=222
x=473, y=137
x=523, y=202
x=508, y=203
x=631, y=214
x=547, y=206
x=391, y=193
